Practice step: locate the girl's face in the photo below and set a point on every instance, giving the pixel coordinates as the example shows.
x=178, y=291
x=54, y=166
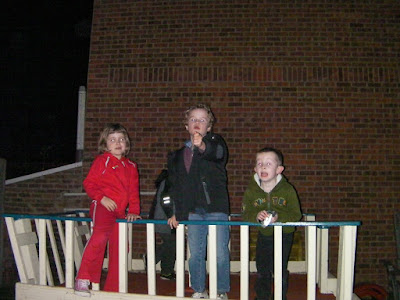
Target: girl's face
x=198, y=121
x=116, y=144
x=267, y=166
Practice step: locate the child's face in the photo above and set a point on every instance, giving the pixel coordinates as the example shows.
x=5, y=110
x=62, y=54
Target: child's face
x=116, y=144
x=267, y=166
x=198, y=121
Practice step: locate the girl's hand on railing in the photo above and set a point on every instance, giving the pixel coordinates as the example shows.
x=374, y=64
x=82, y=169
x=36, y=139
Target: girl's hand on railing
x=172, y=222
x=108, y=203
x=132, y=217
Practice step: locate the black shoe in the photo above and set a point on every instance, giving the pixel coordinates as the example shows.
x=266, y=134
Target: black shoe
x=272, y=297
x=170, y=276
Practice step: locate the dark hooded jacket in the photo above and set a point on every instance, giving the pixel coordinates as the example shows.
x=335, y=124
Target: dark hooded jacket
x=205, y=185
x=159, y=210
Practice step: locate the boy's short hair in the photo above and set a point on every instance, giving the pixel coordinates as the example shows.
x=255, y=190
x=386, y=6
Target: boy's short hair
x=109, y=129
x=200, y=106
x=278, y=153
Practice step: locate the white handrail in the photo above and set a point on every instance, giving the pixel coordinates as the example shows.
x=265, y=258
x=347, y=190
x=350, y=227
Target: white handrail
x=316, y=257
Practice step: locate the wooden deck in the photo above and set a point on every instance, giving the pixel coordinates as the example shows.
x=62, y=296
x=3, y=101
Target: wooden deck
x=138, y=284
x=297, y=286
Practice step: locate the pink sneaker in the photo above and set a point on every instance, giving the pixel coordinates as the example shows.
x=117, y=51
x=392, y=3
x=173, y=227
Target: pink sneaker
x=82, y=287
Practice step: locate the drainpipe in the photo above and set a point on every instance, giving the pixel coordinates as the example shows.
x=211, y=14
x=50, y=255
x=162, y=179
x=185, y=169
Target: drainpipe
x=81, y=124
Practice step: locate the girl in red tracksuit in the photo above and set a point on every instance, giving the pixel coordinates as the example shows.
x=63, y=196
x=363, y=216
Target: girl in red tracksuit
x=113, y=185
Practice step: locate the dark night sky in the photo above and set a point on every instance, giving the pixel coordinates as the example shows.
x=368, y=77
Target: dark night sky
x=44, y=59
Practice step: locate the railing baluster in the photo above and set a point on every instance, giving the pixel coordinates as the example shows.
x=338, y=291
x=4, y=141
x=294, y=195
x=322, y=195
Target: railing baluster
x=212, y=260
x=311, y=261
x=123, y=257
x=69, y=254
x=151, y=266
x=12, y=232
x=42, y=252
x=61, y=234
x=323, y=250
x=319, y=257
x=30, y=257
x=130, y=246
x=180, y=261
x=244, y=262
x=54, y=248
x=347, y=247
x=278, y=262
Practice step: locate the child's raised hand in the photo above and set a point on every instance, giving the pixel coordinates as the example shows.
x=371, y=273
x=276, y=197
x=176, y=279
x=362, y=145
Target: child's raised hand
x=108, y=203
x=197, y=140
x=132, y=217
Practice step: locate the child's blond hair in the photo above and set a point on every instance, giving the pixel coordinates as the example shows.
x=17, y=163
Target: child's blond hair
x=200, y=106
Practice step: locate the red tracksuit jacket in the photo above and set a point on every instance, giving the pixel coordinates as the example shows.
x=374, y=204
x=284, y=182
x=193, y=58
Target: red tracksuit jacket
x=116, y=179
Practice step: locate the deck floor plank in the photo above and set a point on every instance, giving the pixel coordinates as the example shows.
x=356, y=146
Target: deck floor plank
x=137, y=283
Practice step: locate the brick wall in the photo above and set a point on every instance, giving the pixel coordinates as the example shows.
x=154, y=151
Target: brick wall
x=317, y=79
x=46, y=194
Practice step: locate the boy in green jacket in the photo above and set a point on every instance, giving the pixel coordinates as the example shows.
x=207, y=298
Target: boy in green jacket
x=269, y=198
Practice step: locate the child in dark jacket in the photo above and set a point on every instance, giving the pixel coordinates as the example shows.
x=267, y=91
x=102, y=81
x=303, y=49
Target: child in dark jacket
x=198, y=178
x=268, y=198
x=162, y=210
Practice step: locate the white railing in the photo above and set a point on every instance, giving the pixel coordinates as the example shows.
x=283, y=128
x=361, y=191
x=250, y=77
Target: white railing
x=36, y=270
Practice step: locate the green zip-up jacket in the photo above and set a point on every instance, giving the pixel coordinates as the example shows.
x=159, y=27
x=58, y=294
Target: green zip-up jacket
x=282, y=199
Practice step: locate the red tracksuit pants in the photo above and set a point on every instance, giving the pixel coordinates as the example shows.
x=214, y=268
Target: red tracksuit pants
x=105, y=229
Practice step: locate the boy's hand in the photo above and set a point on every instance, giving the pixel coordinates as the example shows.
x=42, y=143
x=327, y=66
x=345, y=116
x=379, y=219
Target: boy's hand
x=132, y=217
x=262, y=215
x=172, y=222
x=108, y=203
x=274, y=218
x=198, y=141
